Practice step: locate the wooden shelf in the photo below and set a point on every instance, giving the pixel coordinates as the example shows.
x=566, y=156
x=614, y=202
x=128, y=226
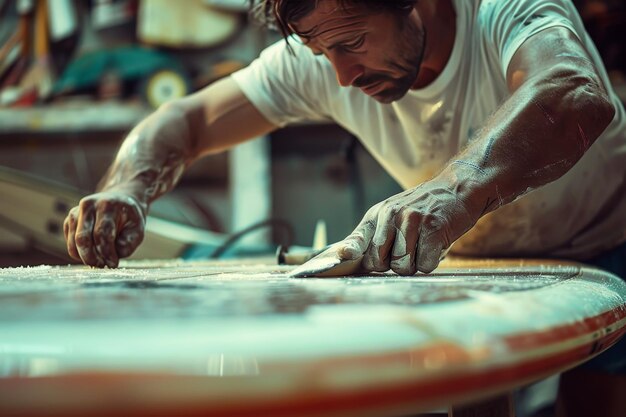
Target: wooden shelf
x=72, y=117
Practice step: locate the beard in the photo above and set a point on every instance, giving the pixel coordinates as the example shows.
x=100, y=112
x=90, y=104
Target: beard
x=410, y=48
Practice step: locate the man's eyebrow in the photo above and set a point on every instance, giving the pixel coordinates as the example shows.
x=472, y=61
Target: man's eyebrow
x=347, y=39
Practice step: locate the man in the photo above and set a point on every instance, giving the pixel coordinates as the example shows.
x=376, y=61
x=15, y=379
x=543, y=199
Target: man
x=497, y=117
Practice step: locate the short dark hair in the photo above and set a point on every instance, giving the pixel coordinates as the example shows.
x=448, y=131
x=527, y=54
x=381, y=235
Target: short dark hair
x=281, y=13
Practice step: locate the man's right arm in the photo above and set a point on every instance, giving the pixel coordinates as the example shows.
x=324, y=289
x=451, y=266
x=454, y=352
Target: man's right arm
x=109, y=224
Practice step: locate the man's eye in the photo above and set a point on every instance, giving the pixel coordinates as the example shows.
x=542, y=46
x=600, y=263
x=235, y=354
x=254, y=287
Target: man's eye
x=354, y=45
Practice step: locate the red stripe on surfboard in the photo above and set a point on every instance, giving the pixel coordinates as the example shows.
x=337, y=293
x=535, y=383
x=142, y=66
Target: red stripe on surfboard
x=458, y=355
x=427, y=392
x=317, y=400
x=557, y=334
x=436, y=392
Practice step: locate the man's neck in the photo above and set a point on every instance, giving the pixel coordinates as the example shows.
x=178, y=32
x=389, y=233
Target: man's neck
x=439, y=19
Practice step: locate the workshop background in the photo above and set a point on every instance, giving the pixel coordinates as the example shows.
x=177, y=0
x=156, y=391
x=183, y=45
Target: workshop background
x=77, y=75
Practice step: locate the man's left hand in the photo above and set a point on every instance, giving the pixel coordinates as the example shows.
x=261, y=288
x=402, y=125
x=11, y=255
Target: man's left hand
x=410, y=231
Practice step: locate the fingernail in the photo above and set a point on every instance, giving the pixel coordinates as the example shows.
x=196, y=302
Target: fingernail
x=349, y=251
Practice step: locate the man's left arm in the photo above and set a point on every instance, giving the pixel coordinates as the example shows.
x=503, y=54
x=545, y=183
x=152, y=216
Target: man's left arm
x=557, y=108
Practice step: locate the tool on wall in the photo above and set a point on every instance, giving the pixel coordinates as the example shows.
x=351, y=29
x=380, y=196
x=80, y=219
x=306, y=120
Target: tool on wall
x=190, y=24
x=232, y=5
x=17, y=54
x=159, y=76
x=12, y=50
x=31, y=74
x=63, y=21
x=112, y=13
x=41, y=71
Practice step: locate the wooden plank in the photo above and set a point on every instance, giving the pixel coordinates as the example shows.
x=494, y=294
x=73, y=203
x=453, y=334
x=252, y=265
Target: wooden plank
x=72, y=117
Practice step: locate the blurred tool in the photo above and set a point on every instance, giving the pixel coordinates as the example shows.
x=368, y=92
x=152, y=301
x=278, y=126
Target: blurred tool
x=63, y=23
x=188, y=23
x=16, y=55
x=41, y=72
x=35, y=82
x=320, y=239
x=13, y=48
x=321, y=260
x=25, y=6
x=297, y=255
x=159, y=76
x=237, y=236
x=111, y=13
x=329, y=263
x=233, y=5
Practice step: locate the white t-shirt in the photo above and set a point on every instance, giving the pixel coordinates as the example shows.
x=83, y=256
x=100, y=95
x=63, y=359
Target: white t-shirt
x=581, y=214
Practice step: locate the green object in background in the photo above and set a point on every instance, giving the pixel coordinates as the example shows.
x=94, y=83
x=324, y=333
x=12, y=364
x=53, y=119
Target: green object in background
x=161, y=76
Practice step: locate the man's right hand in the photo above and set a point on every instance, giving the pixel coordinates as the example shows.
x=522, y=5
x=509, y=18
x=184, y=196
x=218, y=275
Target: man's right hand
x=105, y=227
x=110, y=224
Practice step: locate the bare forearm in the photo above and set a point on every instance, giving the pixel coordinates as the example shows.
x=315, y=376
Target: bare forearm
x=109, y=224
x=558, y=107
x=157, y=151
x=153, y=156
x=539, y=133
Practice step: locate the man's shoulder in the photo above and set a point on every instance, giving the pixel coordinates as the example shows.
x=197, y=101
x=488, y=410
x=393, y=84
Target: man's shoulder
x=501, y=21
x=488, y=10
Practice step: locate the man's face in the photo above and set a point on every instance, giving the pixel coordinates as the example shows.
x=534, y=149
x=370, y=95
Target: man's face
x=380, y=53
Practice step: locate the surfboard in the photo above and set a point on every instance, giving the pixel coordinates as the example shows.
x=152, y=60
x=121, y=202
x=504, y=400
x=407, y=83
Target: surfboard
x=242, y=338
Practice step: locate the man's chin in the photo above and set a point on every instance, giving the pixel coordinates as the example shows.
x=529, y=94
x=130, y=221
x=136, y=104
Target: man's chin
x=387, y=97
x=384, y=99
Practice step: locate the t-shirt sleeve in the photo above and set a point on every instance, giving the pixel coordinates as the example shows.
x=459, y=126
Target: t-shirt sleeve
x=507, y=24
x=284, y=87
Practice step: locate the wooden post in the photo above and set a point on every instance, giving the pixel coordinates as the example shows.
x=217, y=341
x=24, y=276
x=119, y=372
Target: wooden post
x=250, y=188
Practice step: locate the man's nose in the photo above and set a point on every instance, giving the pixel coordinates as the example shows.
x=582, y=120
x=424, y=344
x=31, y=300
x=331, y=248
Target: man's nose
x=347, y=68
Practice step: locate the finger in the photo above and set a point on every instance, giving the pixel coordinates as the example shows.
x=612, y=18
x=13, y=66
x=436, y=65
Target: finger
x=404, y=249
x=84, y=235
x=129, y=239
x=378, y=254
x=66, y=226
x=69, y=230
x=429, y=250
x=104, y=237
x=355, y=245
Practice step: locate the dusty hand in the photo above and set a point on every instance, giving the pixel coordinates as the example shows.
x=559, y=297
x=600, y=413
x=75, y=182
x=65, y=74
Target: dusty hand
x=104, y=227
x=409, y=231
